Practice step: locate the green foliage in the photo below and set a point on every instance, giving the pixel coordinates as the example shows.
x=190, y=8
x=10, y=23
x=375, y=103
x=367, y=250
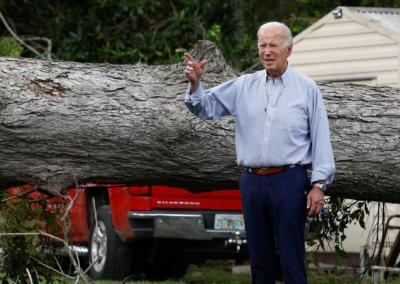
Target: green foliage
x=10, y=47
x=331, y=227
x=22, y=253
x=154, y=31
x=122, y=31
x=159, y=31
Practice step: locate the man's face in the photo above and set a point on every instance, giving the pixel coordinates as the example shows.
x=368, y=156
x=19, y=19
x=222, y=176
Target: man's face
x=273, y=50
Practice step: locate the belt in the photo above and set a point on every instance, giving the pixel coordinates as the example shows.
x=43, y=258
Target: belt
x=269, y=170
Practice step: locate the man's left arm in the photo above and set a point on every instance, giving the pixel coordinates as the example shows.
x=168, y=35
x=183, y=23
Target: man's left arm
x=323, y=165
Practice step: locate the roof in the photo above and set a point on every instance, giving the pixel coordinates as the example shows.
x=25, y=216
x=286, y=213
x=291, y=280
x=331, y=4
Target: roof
x=382, y=20
x=388, y=18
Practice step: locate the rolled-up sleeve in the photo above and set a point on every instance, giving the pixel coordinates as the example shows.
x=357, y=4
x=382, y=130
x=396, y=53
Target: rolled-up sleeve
x=213, y=103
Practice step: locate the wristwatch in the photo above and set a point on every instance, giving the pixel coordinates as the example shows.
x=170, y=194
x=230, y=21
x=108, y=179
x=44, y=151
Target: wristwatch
x=320, y=185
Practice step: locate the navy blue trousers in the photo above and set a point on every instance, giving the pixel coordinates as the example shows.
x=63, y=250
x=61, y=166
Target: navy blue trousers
x=274, y=209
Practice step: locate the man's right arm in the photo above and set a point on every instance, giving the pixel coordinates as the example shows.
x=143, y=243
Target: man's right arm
x=212, y=103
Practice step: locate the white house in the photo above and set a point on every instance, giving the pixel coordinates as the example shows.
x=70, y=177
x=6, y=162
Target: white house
x=356, y=44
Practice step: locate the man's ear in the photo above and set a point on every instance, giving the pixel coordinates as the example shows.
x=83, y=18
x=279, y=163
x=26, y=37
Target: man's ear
x=290, y=48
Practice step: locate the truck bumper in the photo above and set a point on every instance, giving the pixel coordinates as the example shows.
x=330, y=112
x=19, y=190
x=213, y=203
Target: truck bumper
x=176, y=225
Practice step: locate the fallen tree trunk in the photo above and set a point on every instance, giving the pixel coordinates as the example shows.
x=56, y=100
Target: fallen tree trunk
x=365, y=132
x=61, y=121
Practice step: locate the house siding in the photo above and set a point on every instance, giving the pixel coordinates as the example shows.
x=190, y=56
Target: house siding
x=343, y=49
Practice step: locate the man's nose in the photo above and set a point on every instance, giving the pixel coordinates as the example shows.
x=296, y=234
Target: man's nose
x=267, y=51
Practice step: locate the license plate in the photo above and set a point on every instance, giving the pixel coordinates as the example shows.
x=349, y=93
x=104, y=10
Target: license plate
x=229, y=222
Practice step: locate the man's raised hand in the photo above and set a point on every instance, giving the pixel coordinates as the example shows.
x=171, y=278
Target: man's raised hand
x=194, y=71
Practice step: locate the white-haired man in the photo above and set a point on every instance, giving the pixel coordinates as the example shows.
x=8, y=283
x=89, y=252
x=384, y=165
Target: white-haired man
x=281, y=127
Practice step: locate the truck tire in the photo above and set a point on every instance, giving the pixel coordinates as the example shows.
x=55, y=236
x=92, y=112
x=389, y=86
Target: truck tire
x=109, y=257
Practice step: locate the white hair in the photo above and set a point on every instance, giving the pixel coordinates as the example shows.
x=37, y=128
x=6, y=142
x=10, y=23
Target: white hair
x=283, y=27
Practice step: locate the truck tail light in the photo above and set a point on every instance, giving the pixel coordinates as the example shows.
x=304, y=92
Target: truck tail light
x=139, y=190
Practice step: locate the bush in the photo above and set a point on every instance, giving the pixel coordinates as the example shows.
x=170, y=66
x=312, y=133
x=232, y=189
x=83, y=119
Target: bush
x=21, y=220
x=10, y=47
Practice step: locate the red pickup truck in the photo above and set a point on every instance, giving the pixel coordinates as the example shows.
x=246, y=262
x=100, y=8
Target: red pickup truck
x=152, y=229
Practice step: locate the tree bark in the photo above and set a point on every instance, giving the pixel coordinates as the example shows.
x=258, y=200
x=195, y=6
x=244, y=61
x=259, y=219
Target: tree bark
x=365, y=132
x=67, y=121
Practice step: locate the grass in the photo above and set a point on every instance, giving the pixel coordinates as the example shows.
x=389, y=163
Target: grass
x=221, y=273
x=214, y=272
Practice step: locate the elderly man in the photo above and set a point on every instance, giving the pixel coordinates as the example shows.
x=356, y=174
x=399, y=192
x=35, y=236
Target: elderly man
x=281, y=127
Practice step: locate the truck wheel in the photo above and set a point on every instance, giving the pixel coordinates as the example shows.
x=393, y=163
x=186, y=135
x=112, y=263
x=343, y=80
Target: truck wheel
x=109, y=257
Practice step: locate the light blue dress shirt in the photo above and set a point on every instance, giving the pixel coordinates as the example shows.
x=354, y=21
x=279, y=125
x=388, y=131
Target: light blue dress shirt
x=277, y=122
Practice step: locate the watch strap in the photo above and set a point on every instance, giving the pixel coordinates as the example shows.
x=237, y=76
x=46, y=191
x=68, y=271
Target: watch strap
x=320, y=185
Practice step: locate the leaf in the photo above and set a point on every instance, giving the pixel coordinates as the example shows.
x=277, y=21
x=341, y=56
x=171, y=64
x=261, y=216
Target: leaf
x=30, y=224
x=362, y=224
x=339, y=251
x=315, y=259
x=35, y=241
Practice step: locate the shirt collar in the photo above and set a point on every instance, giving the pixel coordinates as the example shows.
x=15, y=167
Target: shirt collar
x=284, y=78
